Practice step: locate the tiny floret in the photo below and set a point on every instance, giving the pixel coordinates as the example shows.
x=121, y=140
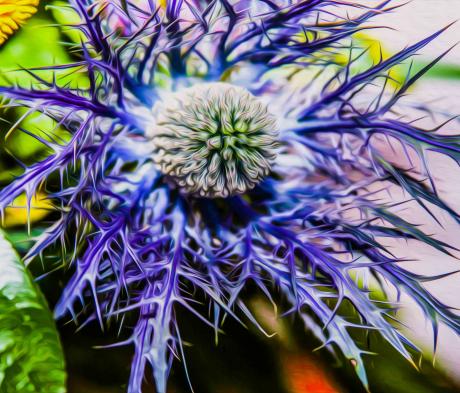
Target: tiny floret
x=214, y=139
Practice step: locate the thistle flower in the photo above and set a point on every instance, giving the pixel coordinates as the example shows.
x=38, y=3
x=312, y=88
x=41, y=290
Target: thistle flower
x=220, y=145
x=215, y=139
x=13, y=13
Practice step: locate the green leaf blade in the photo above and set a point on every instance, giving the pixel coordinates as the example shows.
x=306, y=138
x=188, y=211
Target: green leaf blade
x=31, y=358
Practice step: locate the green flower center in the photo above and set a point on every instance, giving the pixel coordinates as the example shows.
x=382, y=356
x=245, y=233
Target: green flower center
x=214, y=139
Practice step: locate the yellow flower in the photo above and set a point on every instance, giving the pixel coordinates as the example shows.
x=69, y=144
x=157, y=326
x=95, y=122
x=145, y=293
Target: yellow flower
x=13, y=13
x=19, y=213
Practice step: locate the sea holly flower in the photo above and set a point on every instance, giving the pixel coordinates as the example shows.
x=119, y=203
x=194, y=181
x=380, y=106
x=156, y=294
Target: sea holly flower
x=220, y=146
x=13, y=13
x=213, y=139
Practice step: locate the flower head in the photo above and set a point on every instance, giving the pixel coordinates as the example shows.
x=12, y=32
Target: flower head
x=214, y=140
x=13, y=13
x=220, y=145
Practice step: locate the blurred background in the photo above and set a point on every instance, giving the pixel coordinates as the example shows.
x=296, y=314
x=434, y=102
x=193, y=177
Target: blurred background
x=245, y=361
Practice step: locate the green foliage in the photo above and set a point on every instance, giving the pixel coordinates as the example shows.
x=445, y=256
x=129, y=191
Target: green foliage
x=37, y=44
x=444, y=71
x=31, y=358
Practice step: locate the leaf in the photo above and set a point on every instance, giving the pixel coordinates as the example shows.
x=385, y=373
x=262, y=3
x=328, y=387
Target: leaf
x=37, y=44
x=31, y=358
x=442, y=71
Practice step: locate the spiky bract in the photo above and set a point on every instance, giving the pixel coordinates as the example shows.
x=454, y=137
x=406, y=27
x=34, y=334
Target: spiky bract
x=307, y=232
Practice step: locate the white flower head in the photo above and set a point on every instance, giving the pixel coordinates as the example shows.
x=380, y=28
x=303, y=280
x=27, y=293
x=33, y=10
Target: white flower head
x=214, y=139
